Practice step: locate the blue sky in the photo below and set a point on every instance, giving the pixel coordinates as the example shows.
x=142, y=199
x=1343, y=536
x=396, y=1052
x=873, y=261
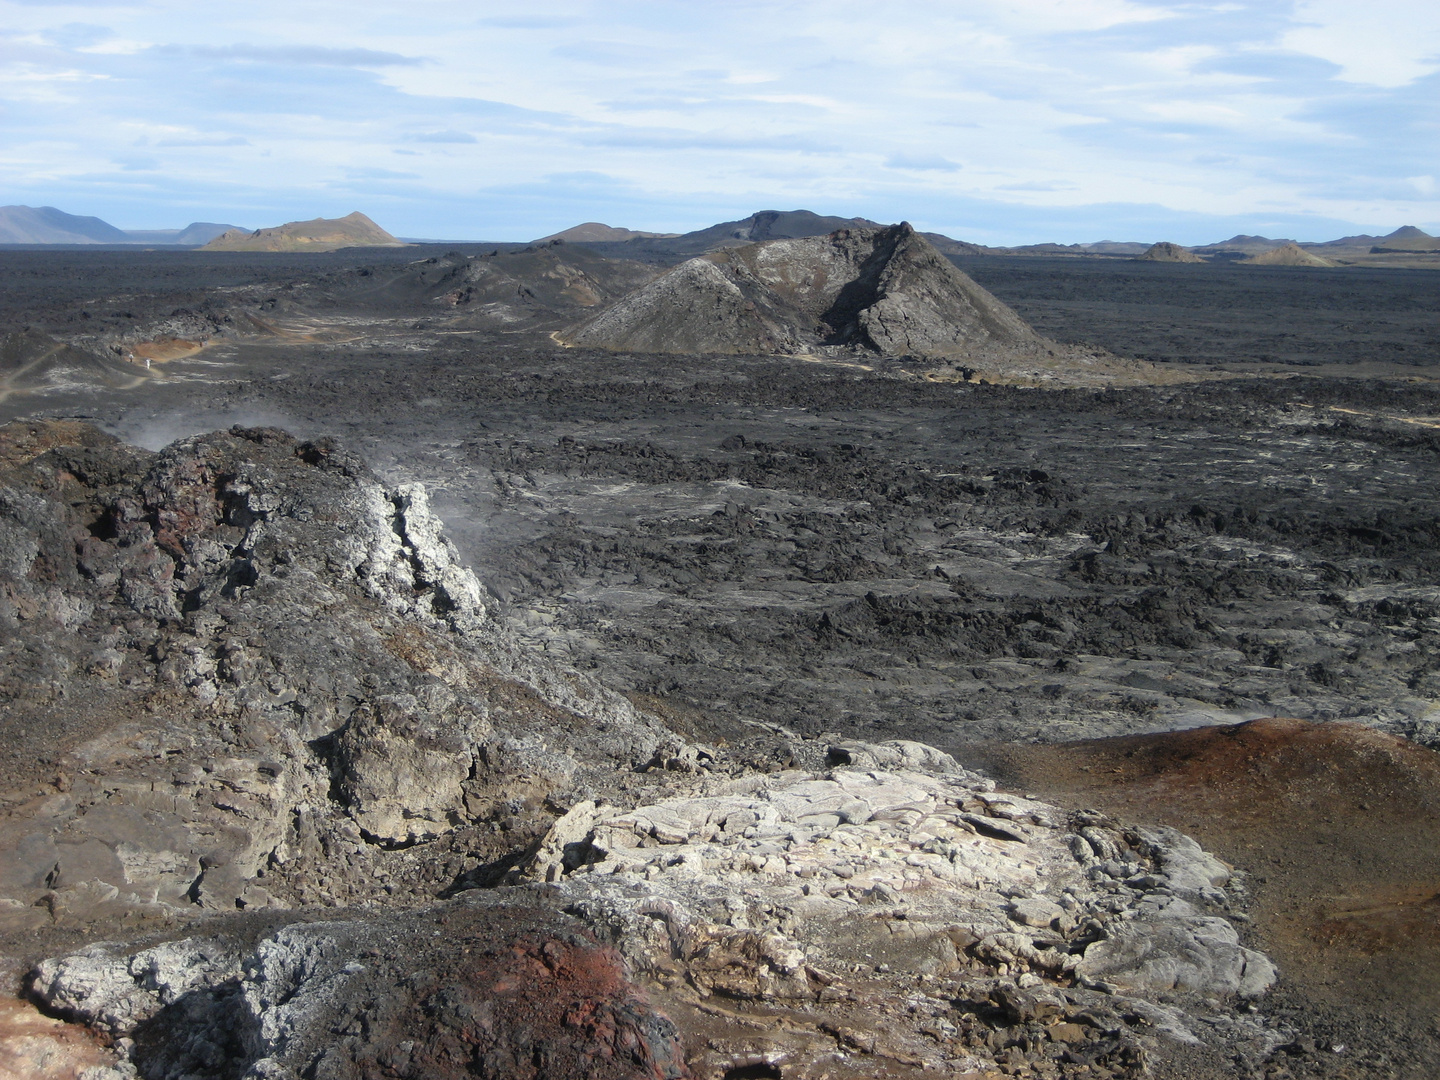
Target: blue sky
x=1011, y=121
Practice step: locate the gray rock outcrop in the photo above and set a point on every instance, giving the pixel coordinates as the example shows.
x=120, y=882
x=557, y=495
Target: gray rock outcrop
x=242, y=655
x=933, y=838
x=845, y=895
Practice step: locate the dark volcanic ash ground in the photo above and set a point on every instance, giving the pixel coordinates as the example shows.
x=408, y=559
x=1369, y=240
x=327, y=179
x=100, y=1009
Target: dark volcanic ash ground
x=774, y=555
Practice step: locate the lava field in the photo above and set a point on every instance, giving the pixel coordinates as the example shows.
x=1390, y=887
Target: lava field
x=763, y=557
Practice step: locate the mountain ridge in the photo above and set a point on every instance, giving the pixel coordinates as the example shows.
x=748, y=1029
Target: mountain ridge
x=44, y=225
x=596, y=232
x=50, y=226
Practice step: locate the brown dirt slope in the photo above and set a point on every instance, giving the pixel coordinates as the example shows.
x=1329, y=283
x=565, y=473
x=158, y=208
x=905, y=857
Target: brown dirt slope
x=1337, y=826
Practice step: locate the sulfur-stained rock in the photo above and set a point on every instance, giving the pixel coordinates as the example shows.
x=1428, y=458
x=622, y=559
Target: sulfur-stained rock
x=248, y=658
x=958, y=864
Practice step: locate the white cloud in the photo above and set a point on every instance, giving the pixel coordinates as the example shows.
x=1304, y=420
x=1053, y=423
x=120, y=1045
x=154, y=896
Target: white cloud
x=295, y=54
x=921, y=163
x=78, y=35
x=447, y=136
x=1061, y=16
x=1379, y=42
x=750, y=78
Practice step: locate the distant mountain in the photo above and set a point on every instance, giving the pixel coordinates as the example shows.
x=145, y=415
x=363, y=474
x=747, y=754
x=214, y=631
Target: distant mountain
x=193, y=235
x=947, y=246
x=317, y=234
x=764, y=225
x=1360, y=243
x=1117, y=247
x=593, y=232
x=1407, y=238
x=47, y=225
x=1102, y=247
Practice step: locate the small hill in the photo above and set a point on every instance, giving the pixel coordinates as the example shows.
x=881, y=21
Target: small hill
x=47, y=225
x=35, y=363
x=884, y=290
x=1406, y=239
x=542, y=286
x=1287, y=254
x=671, y=249
x=1241, y=245
x=1167, y=252
x=857, y=293
x=768, y=225
x=949, y=246
x=318, y=234
x=594, y=232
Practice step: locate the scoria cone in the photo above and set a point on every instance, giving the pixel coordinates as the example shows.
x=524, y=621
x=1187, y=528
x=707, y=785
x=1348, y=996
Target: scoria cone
x=885, y=290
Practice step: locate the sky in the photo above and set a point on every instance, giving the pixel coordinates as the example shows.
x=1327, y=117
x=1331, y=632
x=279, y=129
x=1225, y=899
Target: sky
x=996, y=121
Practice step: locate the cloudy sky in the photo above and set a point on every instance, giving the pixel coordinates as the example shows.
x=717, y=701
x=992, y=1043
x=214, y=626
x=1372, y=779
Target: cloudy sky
x=1002, y=121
